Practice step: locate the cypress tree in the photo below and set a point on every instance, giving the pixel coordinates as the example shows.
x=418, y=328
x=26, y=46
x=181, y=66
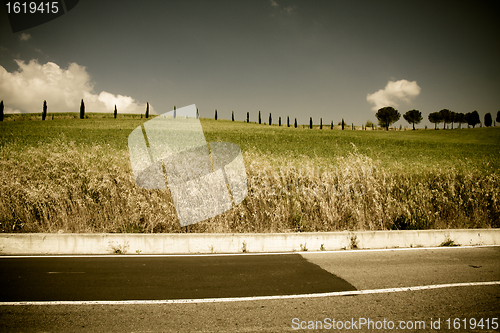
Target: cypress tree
x=488, y=119
x=295, y=122
x=215, y=114
x=116, y=112
x=260, y=121
x=1, y=110
x=287, y=121
x=270, y=119
x=342, y=123
x=44, y=113
x=197, y=113
x=248, y=117
x=320, y=123
x=331, y=126
x=310, y=122
x=352, y=126
x=175, y=112
x=232, y=116
x=82, y=110
x=147, y=110
x=279, y=121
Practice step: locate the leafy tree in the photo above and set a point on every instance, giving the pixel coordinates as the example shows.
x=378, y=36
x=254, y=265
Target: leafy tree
x=445, y=116
x=472, y=118
x=270, y=118
x=487, y=120
x=44, y=112
x=147, y=110
x=215, y=114
x=295, y=122
x=435, y=118
x=460, y=118
x=1, y=110
x=369, y=123
x=387, y=116
x=413, y=117
x=116, y=112
x=498, y=116
x=453, y=118
x=232, y=115
x=310, y=122
x=82, y=110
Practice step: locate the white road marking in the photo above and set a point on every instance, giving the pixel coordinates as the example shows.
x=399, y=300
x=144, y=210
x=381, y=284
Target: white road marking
x=241, y=254
x=256, y=298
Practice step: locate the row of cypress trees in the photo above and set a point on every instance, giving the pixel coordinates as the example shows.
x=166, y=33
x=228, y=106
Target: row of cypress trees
x=488, y=117
x=287, y=120
x=82, y=110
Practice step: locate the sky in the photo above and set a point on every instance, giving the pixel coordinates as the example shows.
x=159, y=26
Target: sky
x=321, y=59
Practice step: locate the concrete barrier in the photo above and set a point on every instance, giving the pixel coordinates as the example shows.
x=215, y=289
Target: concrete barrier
x=52, y=244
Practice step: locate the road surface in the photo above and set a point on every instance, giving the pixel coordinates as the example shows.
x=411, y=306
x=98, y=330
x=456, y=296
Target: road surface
x=254, y=293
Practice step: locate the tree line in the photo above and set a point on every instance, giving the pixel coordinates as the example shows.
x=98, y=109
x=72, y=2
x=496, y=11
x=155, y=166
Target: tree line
x=82, y=111
x=386, y=117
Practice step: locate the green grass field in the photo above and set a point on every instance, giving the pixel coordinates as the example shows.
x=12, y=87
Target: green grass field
x=73, y=175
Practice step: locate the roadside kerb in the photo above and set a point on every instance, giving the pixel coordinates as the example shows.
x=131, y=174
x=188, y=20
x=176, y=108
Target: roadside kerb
x=53, y=244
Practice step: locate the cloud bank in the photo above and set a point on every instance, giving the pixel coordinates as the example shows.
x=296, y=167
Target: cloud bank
x=26, y=89
x=393, y=94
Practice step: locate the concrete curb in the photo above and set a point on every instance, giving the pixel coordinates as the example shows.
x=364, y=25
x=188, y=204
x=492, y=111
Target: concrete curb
x=52, y=244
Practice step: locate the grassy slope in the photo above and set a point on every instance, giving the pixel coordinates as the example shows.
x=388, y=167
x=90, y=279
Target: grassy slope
x=419, y=148
x=412, y=148
x=427, y=179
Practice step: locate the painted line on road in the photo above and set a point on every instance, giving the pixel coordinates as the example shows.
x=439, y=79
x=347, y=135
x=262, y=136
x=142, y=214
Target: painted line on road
x=256, y=298
x=241, y=254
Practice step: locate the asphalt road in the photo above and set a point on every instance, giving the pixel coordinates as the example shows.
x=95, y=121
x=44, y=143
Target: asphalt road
x=162, y=278
x=142, y=278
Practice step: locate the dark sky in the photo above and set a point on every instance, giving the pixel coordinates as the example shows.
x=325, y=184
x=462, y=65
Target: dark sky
x=291, y=58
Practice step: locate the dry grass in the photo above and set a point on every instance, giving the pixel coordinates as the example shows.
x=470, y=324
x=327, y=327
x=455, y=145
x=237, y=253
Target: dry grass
x=62, y=186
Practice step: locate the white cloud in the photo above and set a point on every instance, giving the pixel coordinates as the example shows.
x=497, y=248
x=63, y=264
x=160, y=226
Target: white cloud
x=24, y=37
x=26, y=89
x=287, y=9
x=394, y=93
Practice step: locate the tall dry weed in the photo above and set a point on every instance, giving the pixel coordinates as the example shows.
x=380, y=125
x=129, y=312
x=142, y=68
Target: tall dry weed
x=61, y=186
